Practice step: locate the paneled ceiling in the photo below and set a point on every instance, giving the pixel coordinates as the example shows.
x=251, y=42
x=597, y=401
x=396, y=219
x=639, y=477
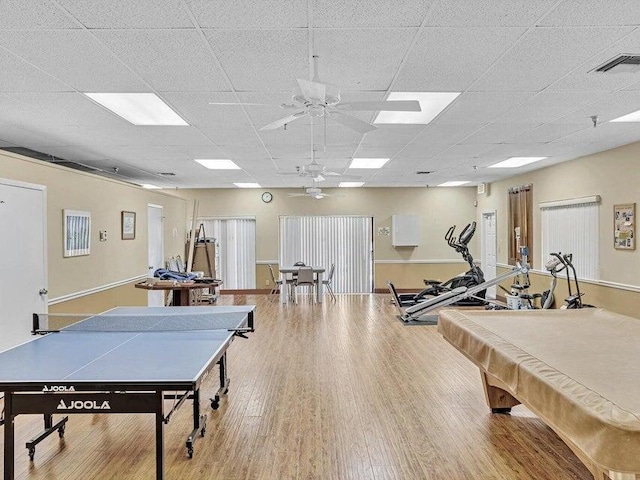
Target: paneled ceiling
x=524, y=70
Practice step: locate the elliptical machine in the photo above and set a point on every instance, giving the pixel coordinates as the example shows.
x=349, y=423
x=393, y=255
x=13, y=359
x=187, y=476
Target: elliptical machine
x=474, y=276
x=574, y=300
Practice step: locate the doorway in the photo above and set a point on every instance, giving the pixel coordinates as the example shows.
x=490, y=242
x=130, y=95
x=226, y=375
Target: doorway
x=489, y=249
x=23, y=271
x=155, y=232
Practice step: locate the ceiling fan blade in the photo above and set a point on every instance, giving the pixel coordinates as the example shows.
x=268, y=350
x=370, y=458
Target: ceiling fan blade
x=231, y=103
x=298, y=194
x=387, y=106
x=280, y=122
x=312, y=90
x=353, y=123
x=318, y=178
x=341, y=175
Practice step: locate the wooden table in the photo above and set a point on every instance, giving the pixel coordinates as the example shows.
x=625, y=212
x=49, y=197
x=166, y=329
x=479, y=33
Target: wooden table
x=181, y=290
x=284, y=271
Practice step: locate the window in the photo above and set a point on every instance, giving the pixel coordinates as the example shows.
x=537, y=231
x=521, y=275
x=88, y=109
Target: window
x=235, y=240
x=571, y=226
x=320, y=241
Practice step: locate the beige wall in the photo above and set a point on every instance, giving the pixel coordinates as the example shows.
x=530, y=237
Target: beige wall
x=109, y=262
x=615, y=176
x=437, y=209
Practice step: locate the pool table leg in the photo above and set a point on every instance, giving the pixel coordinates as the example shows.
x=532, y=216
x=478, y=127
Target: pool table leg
x=498, y=399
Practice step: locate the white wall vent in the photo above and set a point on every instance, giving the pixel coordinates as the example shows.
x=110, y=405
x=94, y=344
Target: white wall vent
x=621, y=64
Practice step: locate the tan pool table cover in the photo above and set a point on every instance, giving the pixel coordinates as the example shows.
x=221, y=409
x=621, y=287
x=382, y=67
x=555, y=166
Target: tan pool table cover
x=579, y=370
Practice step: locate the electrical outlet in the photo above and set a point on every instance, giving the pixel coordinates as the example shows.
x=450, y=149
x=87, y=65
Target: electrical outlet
x=266, y=282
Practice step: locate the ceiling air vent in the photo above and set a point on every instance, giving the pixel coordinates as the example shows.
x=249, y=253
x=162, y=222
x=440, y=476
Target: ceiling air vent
x=167, y=174
x=423, y=172
x=621, y=64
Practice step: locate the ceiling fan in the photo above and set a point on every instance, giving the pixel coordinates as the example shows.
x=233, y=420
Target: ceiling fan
x=317, y=171
x=314, y=98
x=313, y=192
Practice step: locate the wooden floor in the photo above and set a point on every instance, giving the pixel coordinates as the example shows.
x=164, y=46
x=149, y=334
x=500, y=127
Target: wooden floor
x=334, y=391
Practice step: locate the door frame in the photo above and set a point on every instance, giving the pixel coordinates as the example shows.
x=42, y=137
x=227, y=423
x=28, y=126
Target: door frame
x=483, y=245
x=153, y=297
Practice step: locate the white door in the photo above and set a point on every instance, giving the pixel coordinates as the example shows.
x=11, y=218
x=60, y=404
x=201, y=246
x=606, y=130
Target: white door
x=155, y=232
x=489, y=249
x=23, y=269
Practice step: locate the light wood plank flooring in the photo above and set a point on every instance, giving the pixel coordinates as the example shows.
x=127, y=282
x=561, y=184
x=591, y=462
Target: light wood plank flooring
x=334, y=391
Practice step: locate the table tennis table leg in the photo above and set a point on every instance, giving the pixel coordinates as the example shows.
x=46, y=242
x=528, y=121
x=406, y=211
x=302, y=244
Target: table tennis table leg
x=9, y=441
x=199, y=423
x=224, y=382
x=160, y=436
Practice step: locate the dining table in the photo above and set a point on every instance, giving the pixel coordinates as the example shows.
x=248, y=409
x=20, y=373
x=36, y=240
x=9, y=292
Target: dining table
x=286, y=273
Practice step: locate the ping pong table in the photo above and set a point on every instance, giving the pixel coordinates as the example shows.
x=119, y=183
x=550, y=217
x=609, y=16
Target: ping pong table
x=126, y=360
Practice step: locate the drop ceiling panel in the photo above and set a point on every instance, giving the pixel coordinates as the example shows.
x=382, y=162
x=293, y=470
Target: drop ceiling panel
x=451, y=59
x=549, y=105
x=506, y=150
x=417, y=151
x=503, y=13
x=17, y=75
x=498, y=133
x=394, y=134
x=195, y=108
x=98, y=14
x=445, y=134
x=231, y=134
x=201, y=151
x=261, y=60
x=584, y=78
x=35, y=139
x=481, y=107
x=351, y=70
x=75, y=58
x=548, y=133
x=545, y=54
x=33, y=14
x=594, y=12
x=57, y=109
x=243, y=14
x=607, y=108
x=375, y=13
x=176, y=135
x=168, y=60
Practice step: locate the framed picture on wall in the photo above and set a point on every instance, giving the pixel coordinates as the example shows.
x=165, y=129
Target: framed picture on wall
x=128, y=225
x=76, y=227
x=624, y=222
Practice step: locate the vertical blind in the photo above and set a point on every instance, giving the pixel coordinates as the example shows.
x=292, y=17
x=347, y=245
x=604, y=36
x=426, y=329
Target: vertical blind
x=572, y=229
x=236, y=250
x=322, y=240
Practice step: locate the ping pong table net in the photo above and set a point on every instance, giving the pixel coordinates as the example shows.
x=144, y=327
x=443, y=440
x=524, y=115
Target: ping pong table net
x=140, y=322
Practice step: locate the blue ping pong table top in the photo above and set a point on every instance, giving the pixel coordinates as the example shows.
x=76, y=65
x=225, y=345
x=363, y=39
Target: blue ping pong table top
x=120, y=356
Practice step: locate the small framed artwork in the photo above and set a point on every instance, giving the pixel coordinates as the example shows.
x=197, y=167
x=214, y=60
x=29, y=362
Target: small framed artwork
x=624, y=223
x=77, y=232
x=128, y=225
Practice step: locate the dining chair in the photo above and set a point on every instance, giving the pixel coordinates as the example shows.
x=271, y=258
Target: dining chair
x=277, y=284
x=304, y=279
x=327, y=282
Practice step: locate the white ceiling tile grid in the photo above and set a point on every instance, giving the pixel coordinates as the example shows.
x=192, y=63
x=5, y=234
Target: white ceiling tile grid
x=524, y=70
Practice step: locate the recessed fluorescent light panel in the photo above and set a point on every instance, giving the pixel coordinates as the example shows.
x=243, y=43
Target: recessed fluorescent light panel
x=138, y=108
x=515, y=162
x=214, y=164
x=350, y=184
x=368, y=162
x=630, y=117
x=148, y=186
x=456, y=183
x=247, y=185
x=431, y=104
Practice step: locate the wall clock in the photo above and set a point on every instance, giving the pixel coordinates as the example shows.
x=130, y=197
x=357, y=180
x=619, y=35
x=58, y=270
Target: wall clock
x=267, y=197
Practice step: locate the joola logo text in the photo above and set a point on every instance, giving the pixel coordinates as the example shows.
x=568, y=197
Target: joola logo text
x=58, y=388
x=83, y=405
